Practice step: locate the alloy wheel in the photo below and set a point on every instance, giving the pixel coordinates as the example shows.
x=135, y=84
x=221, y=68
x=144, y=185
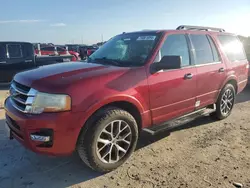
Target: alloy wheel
x=113, y=141
x=227, y=102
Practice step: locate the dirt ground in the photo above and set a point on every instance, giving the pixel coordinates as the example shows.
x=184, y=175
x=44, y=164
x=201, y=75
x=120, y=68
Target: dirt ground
x=202, y=153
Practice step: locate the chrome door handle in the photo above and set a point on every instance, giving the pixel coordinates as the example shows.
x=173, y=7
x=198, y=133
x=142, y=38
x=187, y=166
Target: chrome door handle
x=221, y=70
x=188, y=76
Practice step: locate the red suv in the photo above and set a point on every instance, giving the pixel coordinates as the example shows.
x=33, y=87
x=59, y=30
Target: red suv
x=136, y=81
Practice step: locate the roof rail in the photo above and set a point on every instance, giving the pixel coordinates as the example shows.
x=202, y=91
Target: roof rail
x=201, y=28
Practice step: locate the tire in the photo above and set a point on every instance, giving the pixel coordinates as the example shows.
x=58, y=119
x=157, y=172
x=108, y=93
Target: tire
x=92, y=151
x=225, y=100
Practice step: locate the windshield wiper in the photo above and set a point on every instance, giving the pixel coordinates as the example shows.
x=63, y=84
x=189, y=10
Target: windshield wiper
x=108, y=61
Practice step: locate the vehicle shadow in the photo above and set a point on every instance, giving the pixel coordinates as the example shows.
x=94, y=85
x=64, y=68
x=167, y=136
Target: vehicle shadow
x=244, y=96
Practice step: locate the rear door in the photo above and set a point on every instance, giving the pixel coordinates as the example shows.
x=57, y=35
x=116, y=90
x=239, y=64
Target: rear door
x=210, y=69
x=172, y=92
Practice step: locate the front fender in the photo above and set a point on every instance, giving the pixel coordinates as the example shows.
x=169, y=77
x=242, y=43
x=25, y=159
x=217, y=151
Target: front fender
x=103, y=102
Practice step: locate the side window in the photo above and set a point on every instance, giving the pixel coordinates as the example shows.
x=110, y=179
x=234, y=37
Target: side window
x=27, y=50
x=214, y=49
x=14, y=50
x=49, y=48
x=232, y=47
x=202, y=48
x=2, y=52
x=59, y=49
x=176, y=45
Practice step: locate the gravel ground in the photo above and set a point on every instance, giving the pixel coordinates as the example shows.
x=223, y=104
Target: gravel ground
x=3, y=94
x=202, y=153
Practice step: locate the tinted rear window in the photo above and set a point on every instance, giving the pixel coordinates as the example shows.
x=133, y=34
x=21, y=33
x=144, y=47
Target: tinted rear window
x=28, y=50
x=214, y=49
x=59, y=49
x=14, y=50
x=202, y=48
x=232, y=47
x=2, y=52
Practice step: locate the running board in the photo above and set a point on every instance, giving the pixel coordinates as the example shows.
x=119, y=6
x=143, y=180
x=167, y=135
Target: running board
x=180, y=120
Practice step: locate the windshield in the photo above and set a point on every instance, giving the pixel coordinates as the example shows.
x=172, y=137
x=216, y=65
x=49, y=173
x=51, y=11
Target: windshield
x=127, y=49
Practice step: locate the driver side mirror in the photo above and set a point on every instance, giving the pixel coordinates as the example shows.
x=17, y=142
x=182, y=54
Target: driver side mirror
x=166, y=63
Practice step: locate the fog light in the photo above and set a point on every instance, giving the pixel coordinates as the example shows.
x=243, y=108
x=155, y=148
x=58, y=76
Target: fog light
x=40, y=138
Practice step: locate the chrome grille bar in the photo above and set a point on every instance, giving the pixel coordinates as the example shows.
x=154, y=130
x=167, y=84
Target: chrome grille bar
x=16, y=107
x=19, y=100
x=17, y=89
x=21, y=96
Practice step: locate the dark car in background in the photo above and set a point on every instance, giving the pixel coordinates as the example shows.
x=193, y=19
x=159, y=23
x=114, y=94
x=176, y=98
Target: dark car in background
x=86, y=51
x=19, y=56
x=74, y=47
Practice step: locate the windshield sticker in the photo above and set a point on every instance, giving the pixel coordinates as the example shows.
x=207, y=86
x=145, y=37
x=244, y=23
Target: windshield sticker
x=146, y=38
x=126, y=39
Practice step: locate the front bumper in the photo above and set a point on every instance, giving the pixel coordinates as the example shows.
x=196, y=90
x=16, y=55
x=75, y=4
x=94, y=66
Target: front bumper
x=63, y=130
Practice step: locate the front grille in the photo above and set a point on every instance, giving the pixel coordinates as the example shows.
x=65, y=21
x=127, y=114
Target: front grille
x=22, y=87
x=21, y=96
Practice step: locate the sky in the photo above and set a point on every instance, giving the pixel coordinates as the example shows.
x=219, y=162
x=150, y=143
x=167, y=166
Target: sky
x=88, y=21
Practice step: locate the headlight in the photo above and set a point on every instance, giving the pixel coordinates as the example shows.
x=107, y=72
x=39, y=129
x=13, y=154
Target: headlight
x=44, y=102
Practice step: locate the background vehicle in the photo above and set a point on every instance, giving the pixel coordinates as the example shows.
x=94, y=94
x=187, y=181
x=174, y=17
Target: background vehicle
x=56, y=50
x=144, y=80
x=86, y=51
x=42, y=45
x=74, y=47
x=19, y=56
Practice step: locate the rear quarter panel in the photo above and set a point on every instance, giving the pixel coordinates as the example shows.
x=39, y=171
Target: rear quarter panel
x=237, y=70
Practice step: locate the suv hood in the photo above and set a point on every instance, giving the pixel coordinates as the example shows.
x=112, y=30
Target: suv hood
x=63, y=74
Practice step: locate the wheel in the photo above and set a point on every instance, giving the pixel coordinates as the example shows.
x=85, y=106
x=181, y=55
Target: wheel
x=225, y=103
x=109, y=140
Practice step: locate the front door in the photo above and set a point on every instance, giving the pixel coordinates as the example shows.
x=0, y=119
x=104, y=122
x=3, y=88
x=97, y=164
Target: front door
x=172, y=92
